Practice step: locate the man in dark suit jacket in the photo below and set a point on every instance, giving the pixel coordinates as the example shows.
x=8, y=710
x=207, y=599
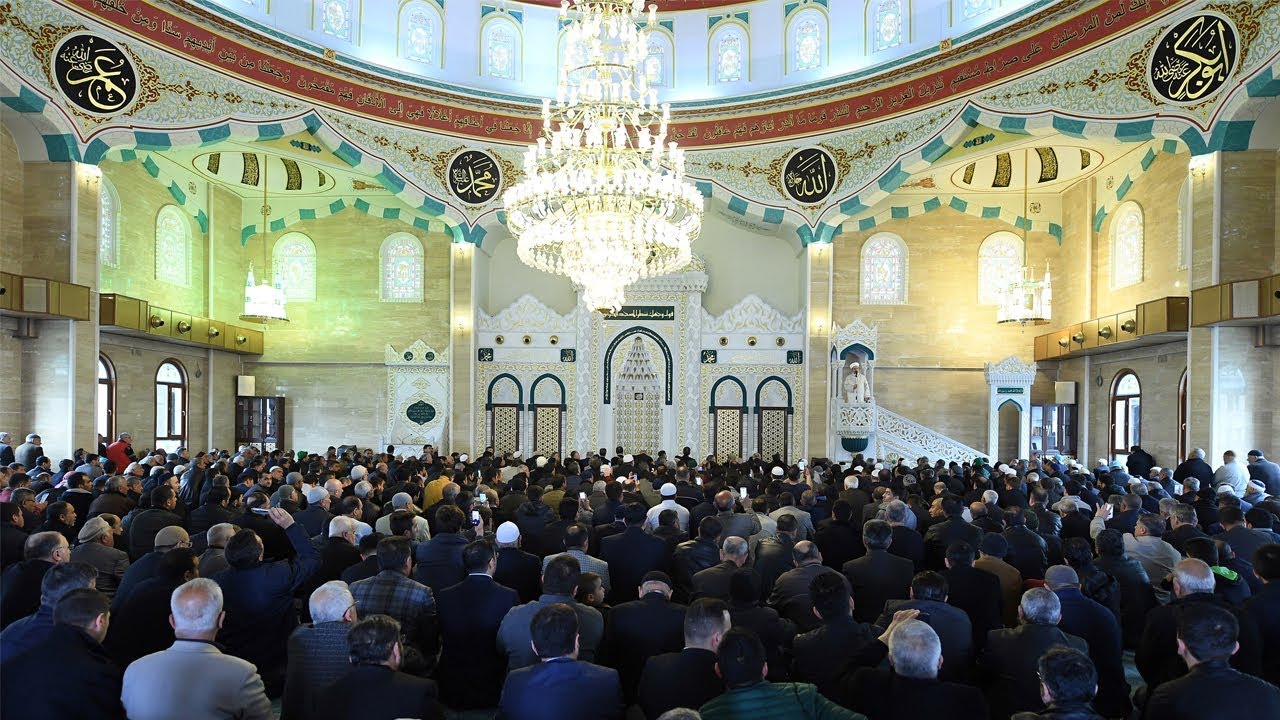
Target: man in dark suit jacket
x=20, y=584
x=773, y=555
x=1099, y=628
x=1008, y=664
x=318, y=653
x=790, y=595
x=143, y=529
x=907, y=543
x=1264, y=609
x=714, y=581
x=954, y=529
x=631, y=554
x=910, y=690
x=879, y=575
x=818, y=655
x=276, y=546
x=315, y=518
x=694, y=556
x=687, y=678
x=1027, y=551
x=517, y=569
x=439, y=560
x=637, y=630
x=1211, y=689
x=774, y=631
x=258, y=597
x=80, y=623
x=838, y=538
x=471, y=668
x=1157, y=658
x=560, y=687
x=976, y=592
x=375, y=688
x=929, y=596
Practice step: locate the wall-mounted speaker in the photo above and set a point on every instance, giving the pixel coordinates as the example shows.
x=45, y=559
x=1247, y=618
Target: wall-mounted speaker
x=246, y=386
x=1064, y=393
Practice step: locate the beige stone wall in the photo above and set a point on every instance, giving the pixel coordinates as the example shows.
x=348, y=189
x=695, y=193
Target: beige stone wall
x=1159, y=369
x=932, y=350
x=327, y=404
x=12, y=202
x=1156, y=192
x=1248, y=218
x=141, y=198
x=210, y=379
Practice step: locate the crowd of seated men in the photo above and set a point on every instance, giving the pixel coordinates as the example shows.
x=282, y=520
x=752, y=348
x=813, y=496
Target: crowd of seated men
x=352, y=584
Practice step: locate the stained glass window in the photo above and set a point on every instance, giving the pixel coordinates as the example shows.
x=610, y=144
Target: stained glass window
x=655, y=65
x=999, y=264
x=108, y=225
x=402, y=268
x=729, y=51
x=884, y=270
x=500, y=50
x=1126, y=245
x=888, y=24
x=806, y=43
x=295, y=267
x=974, y=8
x=420, y=36
x=336, y=18
x=173, y=246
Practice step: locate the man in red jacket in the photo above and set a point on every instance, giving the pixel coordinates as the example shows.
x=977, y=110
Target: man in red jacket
x=120, y=452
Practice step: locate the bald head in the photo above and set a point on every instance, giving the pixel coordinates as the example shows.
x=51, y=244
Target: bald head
x=1192, y=576
x=724, y=500
x=196, y=609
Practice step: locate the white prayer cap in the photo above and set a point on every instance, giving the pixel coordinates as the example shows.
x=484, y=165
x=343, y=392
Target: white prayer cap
x=667, y=490
x=628, y=459
x=508, y=532
x=316, y=494
x=858, y=469
x=463, y=457
x=777, y=472
x=540, y=462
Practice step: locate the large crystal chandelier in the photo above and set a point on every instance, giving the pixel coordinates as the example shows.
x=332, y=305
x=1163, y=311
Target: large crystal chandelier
x=1027, y=299
x=604, y=201
x=263, y=302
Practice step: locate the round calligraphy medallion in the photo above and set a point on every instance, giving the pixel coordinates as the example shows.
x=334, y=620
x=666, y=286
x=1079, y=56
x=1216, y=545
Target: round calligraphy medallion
x=94, y=74
x=420, y=413
x=1193, y=59
x=809, y=176
x=474, y=177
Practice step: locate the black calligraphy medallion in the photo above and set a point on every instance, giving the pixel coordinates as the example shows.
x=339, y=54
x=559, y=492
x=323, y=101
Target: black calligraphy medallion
x=420, y=413
x=474, y=177
x=94, y=74
x=809, y=176
x=1194, y=59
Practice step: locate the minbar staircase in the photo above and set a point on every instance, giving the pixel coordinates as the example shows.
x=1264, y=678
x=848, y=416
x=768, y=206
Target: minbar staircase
x=889, y=435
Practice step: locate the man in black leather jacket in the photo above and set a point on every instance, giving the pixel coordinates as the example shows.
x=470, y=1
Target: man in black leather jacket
x=1068, y=682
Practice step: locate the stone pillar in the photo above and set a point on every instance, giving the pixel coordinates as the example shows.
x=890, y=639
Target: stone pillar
x=462, y=351
x=1231, y=382
x=817, y=345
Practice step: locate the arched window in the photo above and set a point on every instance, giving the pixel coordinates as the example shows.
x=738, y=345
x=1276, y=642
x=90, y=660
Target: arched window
x=806, y=40
x=402, y=268
x=1184, y=229
x=1126, y=245
x=659, y=61
x=337, y=18
x=108, y=225
x=1182, y=415
x=500, y=49
x=295, y=266
x=886, y=20
x=999, y=263
x=171, y=406
x=421, y=39
x=729, y=53
x=173, y=246
x=1126, y=413
x=970, y=9
x=106, y=405
x=884, y=270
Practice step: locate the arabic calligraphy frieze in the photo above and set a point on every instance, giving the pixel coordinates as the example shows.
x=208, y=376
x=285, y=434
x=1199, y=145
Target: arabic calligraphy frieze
x=94, y=74
x=643, y=312
x=474, y=177
x=1193, y=59
x=216, y=43
x=809, y=176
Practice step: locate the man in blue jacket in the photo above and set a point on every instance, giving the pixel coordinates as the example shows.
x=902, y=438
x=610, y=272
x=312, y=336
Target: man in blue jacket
x=559, y=686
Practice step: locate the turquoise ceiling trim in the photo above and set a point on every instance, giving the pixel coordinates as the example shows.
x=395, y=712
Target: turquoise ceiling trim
x=356, y=204
x=923, y=206
x=743, y=17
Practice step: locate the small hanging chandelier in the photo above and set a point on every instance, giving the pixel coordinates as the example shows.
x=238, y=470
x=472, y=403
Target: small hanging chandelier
x=604, y=201
x=1026, y=300
x=263, y=302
